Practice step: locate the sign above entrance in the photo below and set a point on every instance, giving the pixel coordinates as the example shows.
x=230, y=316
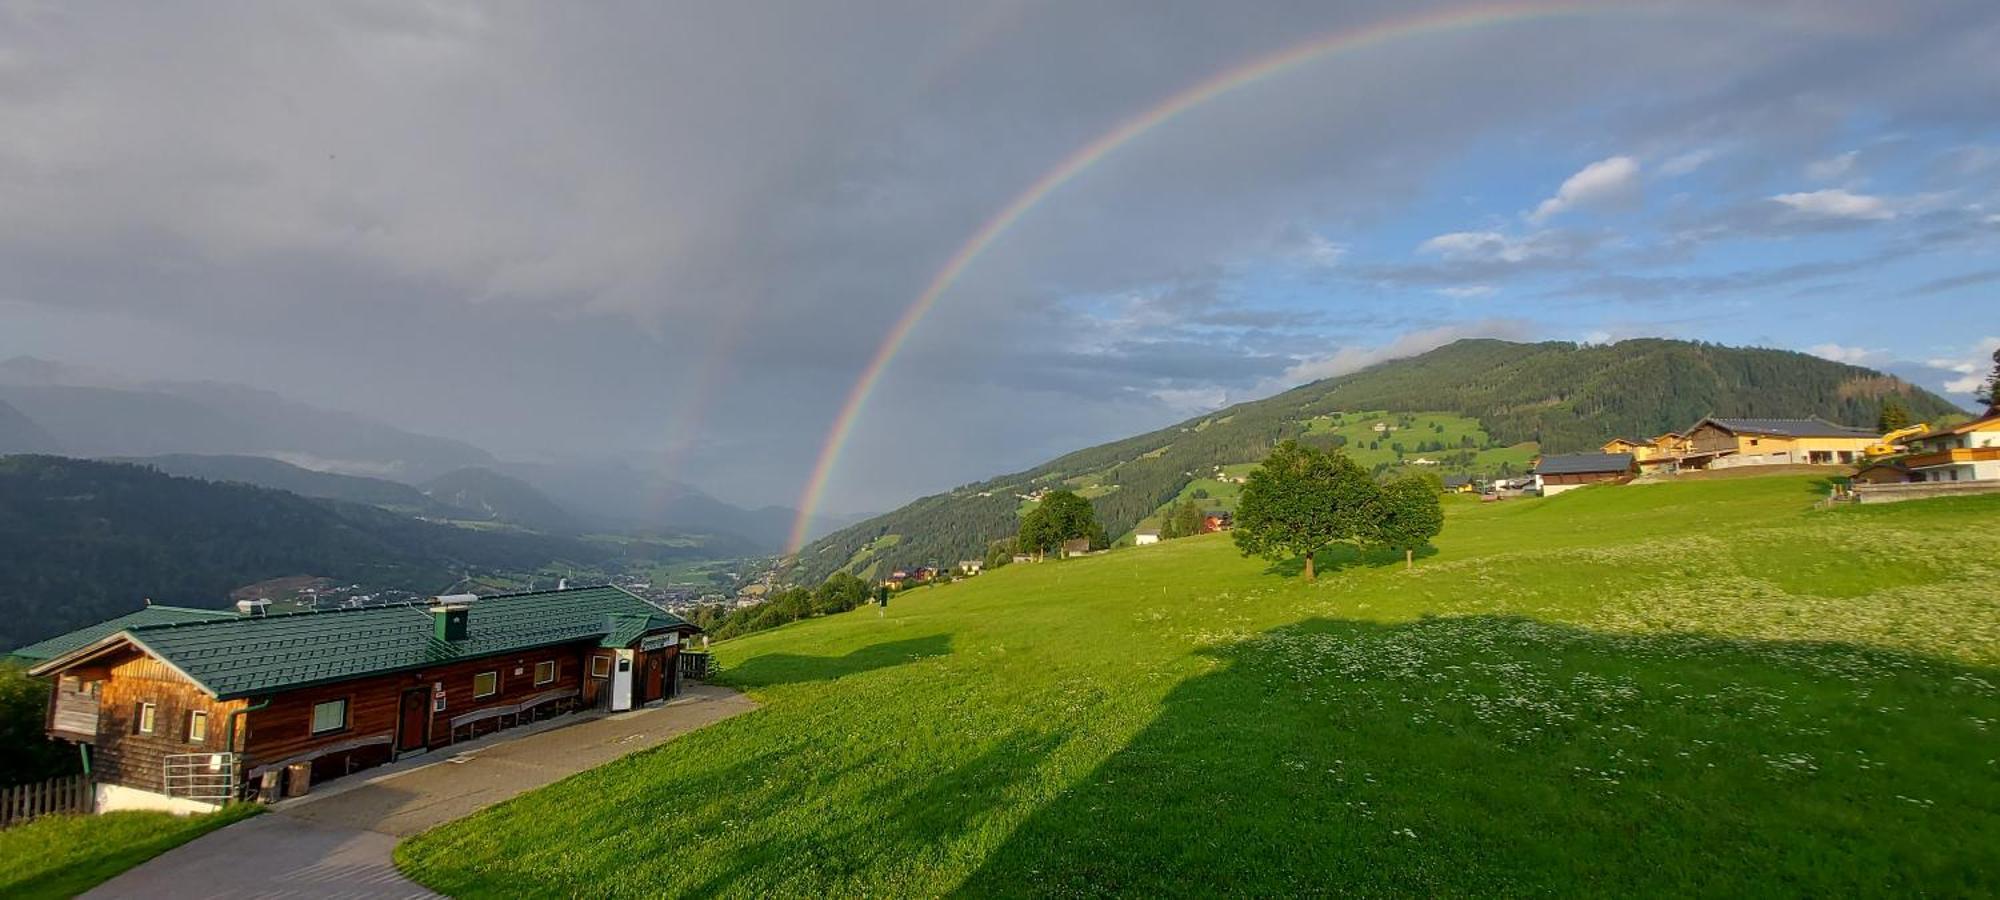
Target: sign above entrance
x=660, y=640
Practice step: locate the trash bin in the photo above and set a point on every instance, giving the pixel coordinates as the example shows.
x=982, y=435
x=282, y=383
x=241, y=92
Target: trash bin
x=268, y=785
x=298, y=779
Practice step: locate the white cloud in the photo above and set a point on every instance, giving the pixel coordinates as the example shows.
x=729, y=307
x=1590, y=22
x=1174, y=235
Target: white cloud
x=1316, y=250
x=1192, y=401
x=1467, y=291
x=1833, y=168
x=1836, y=203
x=1686, y=163
x=1858, y=356
x=1607, y=182
x=1350, y=359
x=1492, y=246
x=1972, y=368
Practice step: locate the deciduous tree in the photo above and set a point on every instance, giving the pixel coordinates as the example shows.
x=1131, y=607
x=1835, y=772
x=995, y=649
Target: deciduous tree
x=1410, y=515
x=1061, y=516
x=1301, y=500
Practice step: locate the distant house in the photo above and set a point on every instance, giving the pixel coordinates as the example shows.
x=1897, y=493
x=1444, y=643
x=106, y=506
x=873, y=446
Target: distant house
x=1423, y=461
x=1145, y=537
x=1216, y=520
x=971, y=566
x=1458, y=484
x=1555, y=474
x=1969, y=452
x=1076, y=546
x=1023, y=557
x=1627, y=445
x=186, y=714
x=1727, y=443
x=1882, y=471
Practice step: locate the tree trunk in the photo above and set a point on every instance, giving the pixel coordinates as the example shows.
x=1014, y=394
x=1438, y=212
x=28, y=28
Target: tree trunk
x=1309, y=568
x=1409, y=559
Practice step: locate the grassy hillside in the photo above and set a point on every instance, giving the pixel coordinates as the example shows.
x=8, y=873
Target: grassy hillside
x=1512, y=399
x=1665, y=689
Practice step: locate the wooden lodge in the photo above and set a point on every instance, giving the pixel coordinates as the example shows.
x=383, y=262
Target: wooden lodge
x=1555, y=474
x=184, y=709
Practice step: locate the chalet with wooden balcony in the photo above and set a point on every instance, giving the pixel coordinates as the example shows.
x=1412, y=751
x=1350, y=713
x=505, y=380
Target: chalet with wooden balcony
x=181, y=709
x=1969, y=452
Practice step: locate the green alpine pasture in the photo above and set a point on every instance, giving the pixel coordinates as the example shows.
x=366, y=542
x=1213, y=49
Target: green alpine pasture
x=1707, y=688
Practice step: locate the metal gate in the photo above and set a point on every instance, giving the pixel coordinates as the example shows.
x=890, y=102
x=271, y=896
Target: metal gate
x=201, y=777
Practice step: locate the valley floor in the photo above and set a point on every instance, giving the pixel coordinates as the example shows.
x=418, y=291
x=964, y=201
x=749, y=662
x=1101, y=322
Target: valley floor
x=1659, y=689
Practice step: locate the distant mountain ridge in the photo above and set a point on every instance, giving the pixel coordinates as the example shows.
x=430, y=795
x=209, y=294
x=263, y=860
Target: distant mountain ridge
x=1565, y=397
x=196, y=417
x=263, y=471
x=213, y=429
x=488, y=495
x=20, y=434
x=82, y=540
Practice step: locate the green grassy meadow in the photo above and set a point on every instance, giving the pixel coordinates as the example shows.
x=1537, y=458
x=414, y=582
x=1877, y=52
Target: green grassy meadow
x=1708, y=688
x=62, y=856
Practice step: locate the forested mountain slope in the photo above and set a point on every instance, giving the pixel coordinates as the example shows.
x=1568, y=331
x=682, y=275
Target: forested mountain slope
x=81, y=541
x=277, y=474
x=1564, y=397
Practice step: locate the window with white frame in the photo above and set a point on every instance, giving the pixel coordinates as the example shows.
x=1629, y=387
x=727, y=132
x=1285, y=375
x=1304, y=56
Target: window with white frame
x=545, y=671
x=485, y=684
x=197, y=726
x=329, y=716
x=600, y=667
x=146, y=713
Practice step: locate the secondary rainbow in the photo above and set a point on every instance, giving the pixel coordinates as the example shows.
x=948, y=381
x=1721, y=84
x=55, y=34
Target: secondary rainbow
x=1090, y=154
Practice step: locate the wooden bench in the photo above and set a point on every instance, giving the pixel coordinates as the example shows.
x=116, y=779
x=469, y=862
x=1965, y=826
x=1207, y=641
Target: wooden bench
x=533, y=707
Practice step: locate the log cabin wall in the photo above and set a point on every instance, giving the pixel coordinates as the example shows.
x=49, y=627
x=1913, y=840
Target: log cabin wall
x=596, y=688
x=282, y=732
x=125, y=755
x=1711, y=439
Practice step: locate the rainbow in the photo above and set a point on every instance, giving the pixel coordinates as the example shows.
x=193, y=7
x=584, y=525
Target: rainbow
x=1227, y=81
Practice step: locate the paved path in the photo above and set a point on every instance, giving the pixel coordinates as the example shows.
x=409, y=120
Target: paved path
x=336, y=841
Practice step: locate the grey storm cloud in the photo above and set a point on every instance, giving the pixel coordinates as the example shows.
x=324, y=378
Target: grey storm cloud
x=613, y=229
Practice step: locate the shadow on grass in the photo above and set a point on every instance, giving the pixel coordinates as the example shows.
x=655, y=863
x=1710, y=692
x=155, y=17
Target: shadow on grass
x=1494, y=755
x=792, y=668
x=1340, y=557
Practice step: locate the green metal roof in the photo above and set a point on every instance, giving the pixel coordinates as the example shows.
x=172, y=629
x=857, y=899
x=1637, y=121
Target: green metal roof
x=625, y=628
x=91, y=634
x=247, y=655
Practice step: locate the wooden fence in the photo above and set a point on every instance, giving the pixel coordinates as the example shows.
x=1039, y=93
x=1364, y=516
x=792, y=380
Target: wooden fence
x=22, y=802
x=695, y=665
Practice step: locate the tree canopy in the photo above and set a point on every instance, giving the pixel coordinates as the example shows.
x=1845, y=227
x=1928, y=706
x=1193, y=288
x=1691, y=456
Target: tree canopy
x=1410, y=515
x=1183, y=519
x=1301, y=500
x=1894, y=415
x=1989, y=393
x=1062, y=516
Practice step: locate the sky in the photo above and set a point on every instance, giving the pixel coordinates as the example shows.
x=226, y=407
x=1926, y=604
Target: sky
x=677, y=234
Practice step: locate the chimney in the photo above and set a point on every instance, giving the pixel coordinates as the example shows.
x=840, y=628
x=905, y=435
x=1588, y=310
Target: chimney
x=451, y=617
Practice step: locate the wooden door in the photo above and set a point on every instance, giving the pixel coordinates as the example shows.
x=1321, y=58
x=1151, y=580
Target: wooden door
x=653, y=672
x=413, y=725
